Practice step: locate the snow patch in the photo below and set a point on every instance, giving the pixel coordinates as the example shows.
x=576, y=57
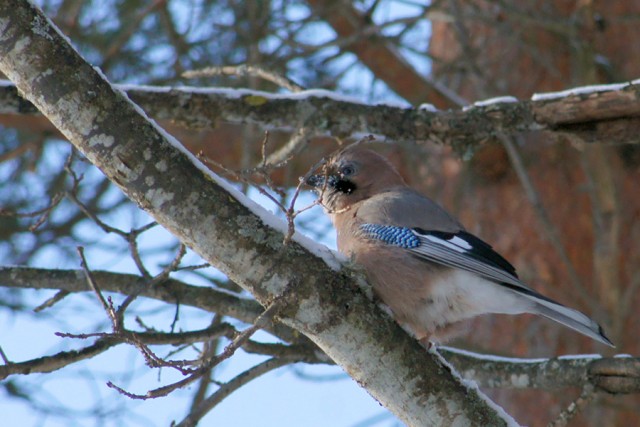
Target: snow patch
x=490, y=357
x=579, y=356
x=496, y=100
x=582, y=90
x=428, y=107
x=255, y=95
x=509, y=420
x=394, y=104
x=502, y=359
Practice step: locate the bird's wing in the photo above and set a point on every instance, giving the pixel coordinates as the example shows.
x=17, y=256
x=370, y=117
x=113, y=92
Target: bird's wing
x=466, y=252
x=457, y=250
x=402, y=213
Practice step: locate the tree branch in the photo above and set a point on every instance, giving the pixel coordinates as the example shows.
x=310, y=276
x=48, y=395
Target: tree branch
x=171, y=291
x=613, y=374
x=106, y=341
x=603, y=114
x=227, y=230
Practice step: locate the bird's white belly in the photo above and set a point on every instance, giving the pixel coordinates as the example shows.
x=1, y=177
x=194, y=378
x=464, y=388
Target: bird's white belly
x=461, y=295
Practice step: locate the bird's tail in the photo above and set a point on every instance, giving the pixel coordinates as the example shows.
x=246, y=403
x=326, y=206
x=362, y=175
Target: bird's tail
x=570, y=318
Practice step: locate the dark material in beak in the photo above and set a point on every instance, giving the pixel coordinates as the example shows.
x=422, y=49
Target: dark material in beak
x=318, y=181
x=315, y=181
x=331, y=183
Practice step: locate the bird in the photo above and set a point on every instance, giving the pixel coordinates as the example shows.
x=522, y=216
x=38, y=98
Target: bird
x=421, y=262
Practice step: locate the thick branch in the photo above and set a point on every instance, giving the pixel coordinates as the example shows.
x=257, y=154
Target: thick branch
x=613, y=375
x=214, y=220
x=609, y=114
x=171, y=291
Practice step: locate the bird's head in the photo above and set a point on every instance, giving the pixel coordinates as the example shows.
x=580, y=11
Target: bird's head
x=351, y=175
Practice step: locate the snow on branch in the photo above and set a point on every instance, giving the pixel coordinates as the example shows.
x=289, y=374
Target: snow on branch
x=604, y=114
x=618, y=375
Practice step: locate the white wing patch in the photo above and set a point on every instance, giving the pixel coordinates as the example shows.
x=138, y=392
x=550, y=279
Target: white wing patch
x=455, y=243
x=460, y=242
x=448, y=253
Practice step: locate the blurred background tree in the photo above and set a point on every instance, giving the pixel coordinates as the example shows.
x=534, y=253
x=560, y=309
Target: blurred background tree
x=565, y=212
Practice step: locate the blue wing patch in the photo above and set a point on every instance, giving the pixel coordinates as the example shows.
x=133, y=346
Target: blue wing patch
x=399, y=236
x=458, y=250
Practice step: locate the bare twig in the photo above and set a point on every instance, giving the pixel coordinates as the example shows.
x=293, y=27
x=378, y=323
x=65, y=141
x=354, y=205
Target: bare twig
x=125, y=33
x=117, y=321
x=108, y=306
x=605, y=208
x=4, y=357
x=193, y=267
x=57, y=361
x=130, y=236
x=296, y=143
x=205, y=368
x=246, y=70
x=289, y=210
x=132, y=239
x=173, y=266
x=71, y=195
x=209, y=351
x=108, y=340
x=59, y=296
x=578, y=405
x=53, y=203
x=227, y=388
x=159, y=278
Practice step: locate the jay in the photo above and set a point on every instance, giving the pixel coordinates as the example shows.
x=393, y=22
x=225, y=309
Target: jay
x=419, y=259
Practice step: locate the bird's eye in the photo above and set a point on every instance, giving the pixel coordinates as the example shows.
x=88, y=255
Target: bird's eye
x=347, y=170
